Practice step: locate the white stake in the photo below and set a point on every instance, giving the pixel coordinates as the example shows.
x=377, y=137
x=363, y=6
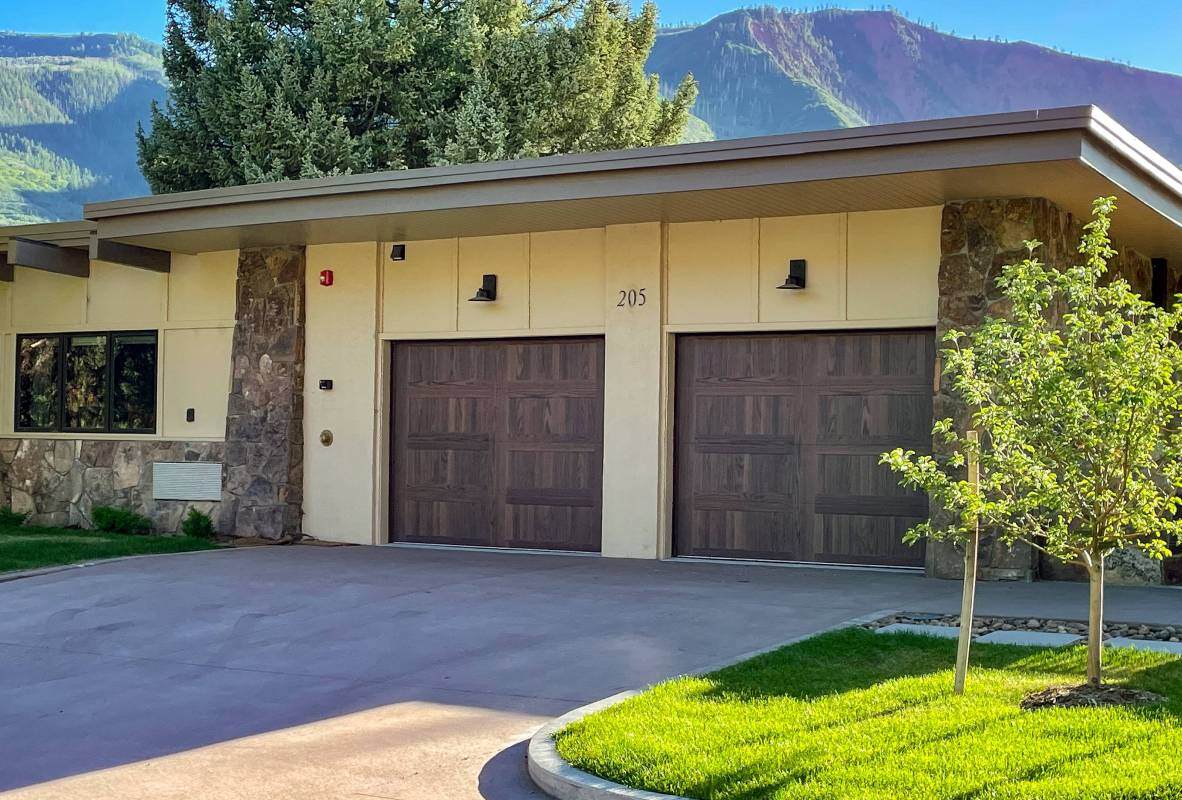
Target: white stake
x=970, y=578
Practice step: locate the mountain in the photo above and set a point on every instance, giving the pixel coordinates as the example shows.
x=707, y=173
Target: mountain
x=766, y=70
x=68, y=111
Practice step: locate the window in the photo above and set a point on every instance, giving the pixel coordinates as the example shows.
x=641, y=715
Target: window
x=86, y=382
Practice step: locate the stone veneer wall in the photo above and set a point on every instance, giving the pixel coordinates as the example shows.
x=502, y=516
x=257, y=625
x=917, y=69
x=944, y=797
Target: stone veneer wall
x=264, y=452
x=58, y=481
x=979, y=237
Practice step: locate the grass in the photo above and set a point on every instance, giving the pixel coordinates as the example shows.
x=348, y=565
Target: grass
x=30, y=547
x=851, y=714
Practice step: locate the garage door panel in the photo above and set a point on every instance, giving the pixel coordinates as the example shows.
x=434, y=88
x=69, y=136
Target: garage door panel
x=859, y=539
x=891, y=357
x=728, y=361
x=748, y=416
x=776, y=464
x=872, y=419
x=748, y=475
x=552, y=527
x=747, y=534
x=430, y=521
x=450, y=415
x=514, y=429
x=438, y=366
x=452, y=470
x=540, y=361
x=860, y=474
x=560, y=418
x=573, y=470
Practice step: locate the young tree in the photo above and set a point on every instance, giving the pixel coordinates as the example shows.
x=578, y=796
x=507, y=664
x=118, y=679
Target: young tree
x=1076, y=394
x=274, y=89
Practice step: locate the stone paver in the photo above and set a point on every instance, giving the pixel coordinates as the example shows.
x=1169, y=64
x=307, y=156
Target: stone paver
x=939, y=631
x=1033, y=638
x=304, y=672
x=1145, y=644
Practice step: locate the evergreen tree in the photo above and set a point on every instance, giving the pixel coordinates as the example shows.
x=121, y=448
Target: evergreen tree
x=268, y=90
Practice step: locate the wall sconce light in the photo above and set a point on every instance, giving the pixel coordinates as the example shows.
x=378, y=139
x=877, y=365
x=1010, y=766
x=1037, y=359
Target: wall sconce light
x=796, y=272
x=487, y=291
x=398, y=252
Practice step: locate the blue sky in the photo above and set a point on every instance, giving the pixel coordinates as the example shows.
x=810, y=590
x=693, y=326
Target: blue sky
x=1143, y=32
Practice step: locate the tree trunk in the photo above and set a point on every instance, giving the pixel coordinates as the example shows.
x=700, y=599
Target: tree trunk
x=1095, y=617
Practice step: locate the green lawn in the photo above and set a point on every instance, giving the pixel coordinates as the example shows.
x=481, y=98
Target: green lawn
x=29, y=547
x=852, y=714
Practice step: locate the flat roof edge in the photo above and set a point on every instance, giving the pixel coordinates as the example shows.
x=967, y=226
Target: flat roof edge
x=1081, y=118
x=1125, y=144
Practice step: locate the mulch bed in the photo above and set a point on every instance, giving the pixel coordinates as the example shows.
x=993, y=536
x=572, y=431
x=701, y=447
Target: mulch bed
x=1088, y=696
x=983, y=625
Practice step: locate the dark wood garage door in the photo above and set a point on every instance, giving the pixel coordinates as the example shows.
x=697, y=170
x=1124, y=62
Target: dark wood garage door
x=498, y=443
x=778, y=439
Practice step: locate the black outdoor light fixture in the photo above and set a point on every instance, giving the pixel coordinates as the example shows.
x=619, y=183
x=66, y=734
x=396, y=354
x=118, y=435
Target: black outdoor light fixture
x=487, y=291
x=398, y=252
x=796, y=271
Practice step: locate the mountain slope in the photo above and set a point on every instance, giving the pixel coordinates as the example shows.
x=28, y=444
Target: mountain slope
x=68, y=110
x=766, y=70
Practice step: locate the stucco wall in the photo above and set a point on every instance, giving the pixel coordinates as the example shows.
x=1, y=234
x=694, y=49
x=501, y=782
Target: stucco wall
x=342, y=346
x=547, y=281
x=864, y=269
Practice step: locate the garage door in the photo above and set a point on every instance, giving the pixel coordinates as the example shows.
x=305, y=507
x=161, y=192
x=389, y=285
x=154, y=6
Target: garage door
x=498, y=443
x=778, y=439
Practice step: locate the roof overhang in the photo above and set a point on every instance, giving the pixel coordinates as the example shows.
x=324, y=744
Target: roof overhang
x=1068, y=155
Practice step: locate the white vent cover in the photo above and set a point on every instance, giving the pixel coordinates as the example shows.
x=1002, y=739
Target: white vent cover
x=187, y=480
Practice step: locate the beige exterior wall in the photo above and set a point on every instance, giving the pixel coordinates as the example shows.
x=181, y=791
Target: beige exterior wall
x=866, y=269
x=341, y=345
x=191, y=308
x=547, y=283
x=634, y=353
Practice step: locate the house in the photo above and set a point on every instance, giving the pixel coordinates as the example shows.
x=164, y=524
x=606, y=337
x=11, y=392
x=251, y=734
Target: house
x=697, y=350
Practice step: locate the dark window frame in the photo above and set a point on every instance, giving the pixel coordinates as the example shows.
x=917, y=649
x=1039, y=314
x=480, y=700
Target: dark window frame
x=63, y=344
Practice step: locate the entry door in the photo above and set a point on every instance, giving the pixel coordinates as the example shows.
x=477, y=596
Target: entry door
x=498, y=443
x=778, y=439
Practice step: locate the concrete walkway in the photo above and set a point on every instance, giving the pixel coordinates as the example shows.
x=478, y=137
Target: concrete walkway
x=306, y=672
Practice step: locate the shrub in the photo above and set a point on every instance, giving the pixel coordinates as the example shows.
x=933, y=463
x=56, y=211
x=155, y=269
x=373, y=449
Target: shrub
x=120, y=520
x=10, y=518
x=197, y=524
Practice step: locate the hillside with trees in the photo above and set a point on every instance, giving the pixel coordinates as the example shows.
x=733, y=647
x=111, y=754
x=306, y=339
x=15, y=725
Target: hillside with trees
x=68, y=110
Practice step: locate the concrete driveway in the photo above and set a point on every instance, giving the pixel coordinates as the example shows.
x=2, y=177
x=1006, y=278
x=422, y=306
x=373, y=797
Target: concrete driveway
x=386, y=672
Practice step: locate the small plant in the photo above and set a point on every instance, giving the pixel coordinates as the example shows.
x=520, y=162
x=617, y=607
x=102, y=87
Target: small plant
x=120, y=520
x=10, y=518
x=197, y=524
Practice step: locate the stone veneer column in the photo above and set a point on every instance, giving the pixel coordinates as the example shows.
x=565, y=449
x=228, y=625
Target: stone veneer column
x=264, y=450
x=978, y=238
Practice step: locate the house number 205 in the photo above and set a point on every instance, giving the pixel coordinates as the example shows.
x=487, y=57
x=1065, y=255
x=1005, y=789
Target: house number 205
x=631, y=298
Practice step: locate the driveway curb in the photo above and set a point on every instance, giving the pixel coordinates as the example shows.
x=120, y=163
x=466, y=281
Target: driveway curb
x=555, y=776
